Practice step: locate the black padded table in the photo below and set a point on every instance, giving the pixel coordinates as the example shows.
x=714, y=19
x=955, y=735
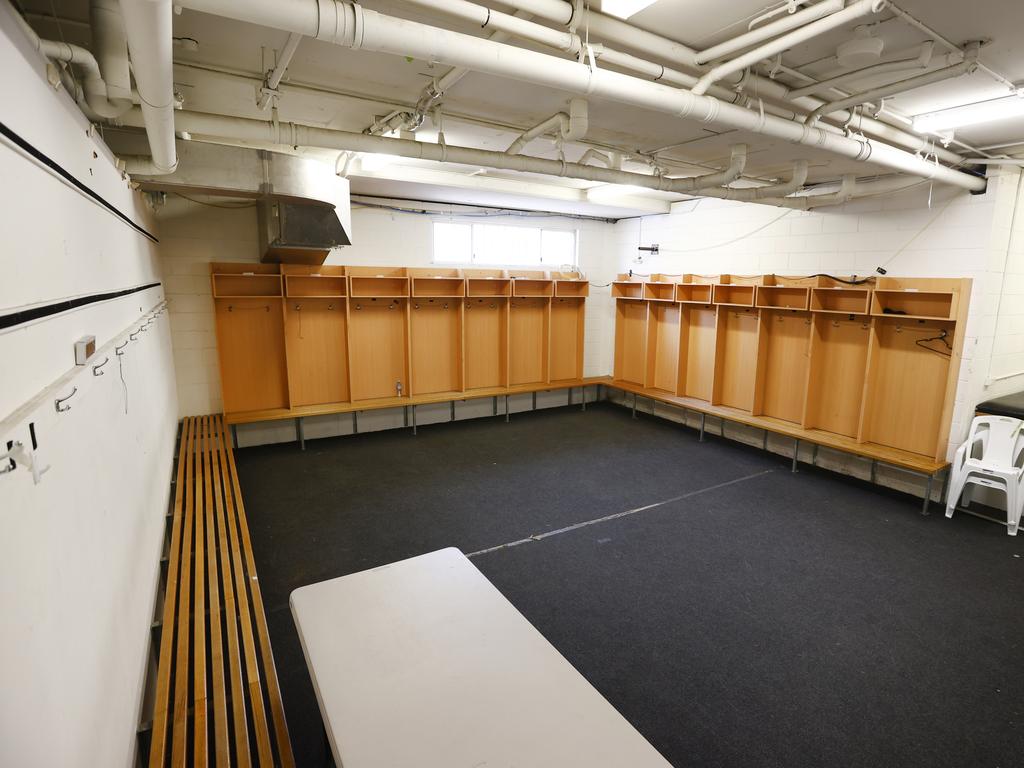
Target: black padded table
x=1007, y=405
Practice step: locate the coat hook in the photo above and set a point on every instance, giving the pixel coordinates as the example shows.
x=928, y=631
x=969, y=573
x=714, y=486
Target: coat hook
x=96, y=368
x=59, y=400
x=359, y=306
x=117, y=350
x=131, y=336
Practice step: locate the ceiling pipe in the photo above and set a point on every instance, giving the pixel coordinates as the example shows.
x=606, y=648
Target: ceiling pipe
x=796, y=181
x=920, y=61
x=437, y=87
x=789, y=6
x=938, y=75
x=240, y=129
x=768, y=31
x=570, y=127
x=269, y=89
x=496, y=21
x=110, y=44
x=847, y=190
x=148, y=27
x=93, y=89
x=570, y=42
x=613, y=30
x=351, y=25
x=857, y=10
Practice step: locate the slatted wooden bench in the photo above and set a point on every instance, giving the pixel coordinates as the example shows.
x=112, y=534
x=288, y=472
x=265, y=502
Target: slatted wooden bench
x=217, y=697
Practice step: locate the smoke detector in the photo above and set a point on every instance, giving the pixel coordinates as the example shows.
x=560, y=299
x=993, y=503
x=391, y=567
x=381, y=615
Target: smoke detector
x=861, y=50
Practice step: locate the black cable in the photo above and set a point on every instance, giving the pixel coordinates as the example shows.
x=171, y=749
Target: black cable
x=36, y=313
x=54, y=166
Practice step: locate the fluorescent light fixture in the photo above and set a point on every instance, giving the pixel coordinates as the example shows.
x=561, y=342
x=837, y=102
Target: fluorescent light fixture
x=604, y=193
x=625, y=8
x=970, y=114
x=371, y=162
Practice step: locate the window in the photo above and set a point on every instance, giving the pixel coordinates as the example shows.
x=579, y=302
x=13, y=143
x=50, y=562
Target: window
x=501, y=245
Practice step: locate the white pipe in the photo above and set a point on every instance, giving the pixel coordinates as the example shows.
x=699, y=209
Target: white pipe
x=995, y=161
x=557, y=122
x=437, y=87
x=111, y=47
x=492, y=20
x=780, y=8
x=148, y=26
x=921, y=61
x=751, y=194
x=833, y=193
x=858, y=10
x=351, y=25
x=294, y=134
x=274, y=78
x=936, y=76
x=610, y=29
x=94, y=89
x=570, y=127
x=768, y=31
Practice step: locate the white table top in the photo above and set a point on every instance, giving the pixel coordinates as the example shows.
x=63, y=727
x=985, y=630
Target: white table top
x=424, y=663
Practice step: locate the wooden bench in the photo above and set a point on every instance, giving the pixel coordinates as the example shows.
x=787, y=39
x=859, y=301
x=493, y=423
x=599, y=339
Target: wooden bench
x=409, y=404
x=906, y=461
x=217, y=698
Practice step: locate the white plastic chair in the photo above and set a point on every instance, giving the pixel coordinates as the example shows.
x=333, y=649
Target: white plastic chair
x=993, y=457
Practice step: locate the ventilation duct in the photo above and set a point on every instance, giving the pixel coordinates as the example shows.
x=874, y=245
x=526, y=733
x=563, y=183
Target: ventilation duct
x=303, y=209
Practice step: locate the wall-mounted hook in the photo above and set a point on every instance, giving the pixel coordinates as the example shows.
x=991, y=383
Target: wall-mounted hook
x=117, y=350
x=96, y=368
x=59, y=400
x=131, y=336
x=358, y=307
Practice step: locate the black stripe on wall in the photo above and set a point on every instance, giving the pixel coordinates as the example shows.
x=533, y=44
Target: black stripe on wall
x=58, y=169
x=36, y=313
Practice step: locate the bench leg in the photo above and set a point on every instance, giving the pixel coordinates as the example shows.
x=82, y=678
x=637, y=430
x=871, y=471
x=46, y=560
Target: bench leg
x=234, y=436
x=796, y=453
x=703, y=423
x=414, y=420
x=764, y=440
x=814, y=454
x=355, y=422
x=300, y=437
x=634, y=405
x=453, y=410
x=534, y=406
x=874, y=471
x=927, y=494
x=506, y=409
x=584, y=406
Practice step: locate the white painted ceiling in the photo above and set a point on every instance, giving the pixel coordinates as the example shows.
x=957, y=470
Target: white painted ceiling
x=335, y=87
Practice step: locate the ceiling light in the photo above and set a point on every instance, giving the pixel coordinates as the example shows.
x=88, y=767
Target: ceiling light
x=625, y=8
x=372, y=162
x=970, y=114
x=610, y=192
